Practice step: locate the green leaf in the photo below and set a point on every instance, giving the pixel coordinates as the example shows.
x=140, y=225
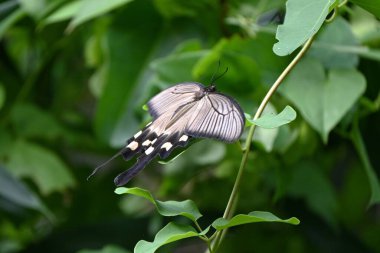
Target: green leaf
x=175, y=8
x=105, y=249
x=273, y=121
x=242, y=67
x=202, y=153
x=2, y=96
x=328, y=46
x=308, y=182
x=266, y=137
x=65, y=12
x=302, y=20
x=186, y=208
x=90, y=9
x=33, y=7
x=41, y=165
x=27, y=120
x=18, y=193
x=252, y=217
x=170, y=233
x=372, y=6
x=323, y=101
x=10, y=20
x=176, y=68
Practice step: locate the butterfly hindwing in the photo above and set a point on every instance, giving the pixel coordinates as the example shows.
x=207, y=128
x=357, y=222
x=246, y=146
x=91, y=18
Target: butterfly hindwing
x=217, y=116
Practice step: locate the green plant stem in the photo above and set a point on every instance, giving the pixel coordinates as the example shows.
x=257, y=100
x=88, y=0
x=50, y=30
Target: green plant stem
x=358, y=142
x=235, y=190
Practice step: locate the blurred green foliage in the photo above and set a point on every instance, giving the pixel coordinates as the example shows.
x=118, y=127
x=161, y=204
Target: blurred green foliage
x=74, y=76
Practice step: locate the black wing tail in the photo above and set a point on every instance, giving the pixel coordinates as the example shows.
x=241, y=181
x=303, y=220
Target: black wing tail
x=127, y=175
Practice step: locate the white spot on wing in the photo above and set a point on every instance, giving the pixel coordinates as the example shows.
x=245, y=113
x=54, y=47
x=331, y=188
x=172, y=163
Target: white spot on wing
x=184, y=138
x=167, y=146
x=133, y=145
x=149, y=150
x=146, y=143
x=154, y=141
x=137, y=134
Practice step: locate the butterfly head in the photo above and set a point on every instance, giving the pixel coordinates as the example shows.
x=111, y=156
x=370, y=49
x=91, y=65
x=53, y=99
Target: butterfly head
x=210, y=88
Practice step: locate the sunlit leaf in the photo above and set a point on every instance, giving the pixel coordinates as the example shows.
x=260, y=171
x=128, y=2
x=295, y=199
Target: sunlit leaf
x=302, y=20
x=170, y=233
x=252, y=217
x=33, y=7
x=273, y=121
x=90, y=9
x=186, y=208
x=65, y=12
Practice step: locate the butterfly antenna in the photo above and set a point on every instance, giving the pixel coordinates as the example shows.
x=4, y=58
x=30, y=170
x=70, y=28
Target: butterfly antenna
x=218, y=77
x=213, y=75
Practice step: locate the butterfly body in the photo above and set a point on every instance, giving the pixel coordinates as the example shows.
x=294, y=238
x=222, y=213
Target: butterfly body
x=181, y=112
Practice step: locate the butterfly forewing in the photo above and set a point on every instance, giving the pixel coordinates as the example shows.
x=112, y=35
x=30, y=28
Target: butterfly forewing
x=171, y=99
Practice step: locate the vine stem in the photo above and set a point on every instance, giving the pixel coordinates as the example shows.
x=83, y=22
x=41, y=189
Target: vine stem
x=235, y=190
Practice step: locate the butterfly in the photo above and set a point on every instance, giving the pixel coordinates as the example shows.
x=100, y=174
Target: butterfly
x=181, y=112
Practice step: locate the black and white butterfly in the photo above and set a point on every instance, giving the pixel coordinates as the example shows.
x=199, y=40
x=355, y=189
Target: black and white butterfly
x=181, y=112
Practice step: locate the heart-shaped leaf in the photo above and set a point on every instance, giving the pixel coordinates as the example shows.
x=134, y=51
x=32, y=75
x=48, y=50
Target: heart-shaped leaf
x=186, y=208
x=252, y=217
x=170, y=233
x=303, y=19
x=331, y=43
x=323, y=100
